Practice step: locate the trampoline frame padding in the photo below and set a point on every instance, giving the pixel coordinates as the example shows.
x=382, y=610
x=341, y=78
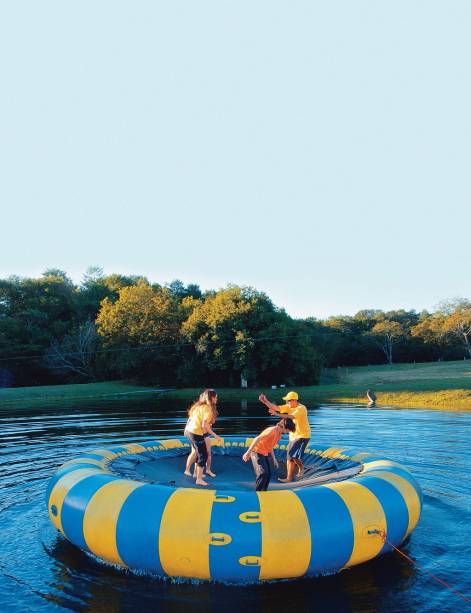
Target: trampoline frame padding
x=306, y=529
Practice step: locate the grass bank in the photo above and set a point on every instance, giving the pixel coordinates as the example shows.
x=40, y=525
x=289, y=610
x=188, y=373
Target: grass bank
x=53, y=394
x=438, y=385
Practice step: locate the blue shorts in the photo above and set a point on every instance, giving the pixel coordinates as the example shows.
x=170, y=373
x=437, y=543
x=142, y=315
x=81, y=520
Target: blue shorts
x=296, y=448
x=206, y=434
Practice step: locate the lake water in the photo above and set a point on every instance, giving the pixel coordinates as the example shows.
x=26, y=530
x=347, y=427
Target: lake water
x=41, y=571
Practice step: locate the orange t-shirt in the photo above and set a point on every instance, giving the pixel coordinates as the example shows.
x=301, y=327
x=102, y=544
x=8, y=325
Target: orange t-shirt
x=268, y=439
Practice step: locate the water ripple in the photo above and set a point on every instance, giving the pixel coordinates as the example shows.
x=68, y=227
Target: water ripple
x=41, y=571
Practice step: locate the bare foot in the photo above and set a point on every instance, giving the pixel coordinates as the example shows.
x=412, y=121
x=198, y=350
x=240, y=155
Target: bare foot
x=284, y=480
x=201, y=482
x=187, y=473
x=210, y=473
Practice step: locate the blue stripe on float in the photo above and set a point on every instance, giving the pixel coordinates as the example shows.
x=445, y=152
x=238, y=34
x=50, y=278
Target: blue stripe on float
x=118, y=449
x=246, y=538
x=394, y=506
x=63, y=471
x=75, y=504
x=331, y=527
x=138, y=526
x=148, y=444
x=402, y=472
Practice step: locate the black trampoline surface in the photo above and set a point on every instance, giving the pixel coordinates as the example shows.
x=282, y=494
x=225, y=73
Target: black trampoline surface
x=232, y=473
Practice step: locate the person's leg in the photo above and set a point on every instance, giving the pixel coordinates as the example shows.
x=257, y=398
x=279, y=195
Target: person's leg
x=208, y=461
x=267, y=473
x=199, y=476
x=201, y=460
x=262, y=471
x=290, y=466
x=191, y=458
x=298, y=454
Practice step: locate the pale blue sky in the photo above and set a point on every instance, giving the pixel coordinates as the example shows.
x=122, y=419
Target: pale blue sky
x=319, y=151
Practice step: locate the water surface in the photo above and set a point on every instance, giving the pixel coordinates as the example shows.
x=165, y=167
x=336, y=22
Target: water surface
x=41, y=571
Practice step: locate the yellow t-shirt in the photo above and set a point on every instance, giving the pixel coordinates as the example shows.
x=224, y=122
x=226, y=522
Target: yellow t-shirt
x=299, y=415
x=198, y=415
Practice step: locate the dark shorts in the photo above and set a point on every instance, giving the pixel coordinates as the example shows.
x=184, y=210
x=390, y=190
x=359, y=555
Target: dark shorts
x=199, y=445
x=296, y=448
x=261, y=466
x=206, y=435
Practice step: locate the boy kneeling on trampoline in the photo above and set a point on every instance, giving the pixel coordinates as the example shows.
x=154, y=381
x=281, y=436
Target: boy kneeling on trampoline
x=262, y=447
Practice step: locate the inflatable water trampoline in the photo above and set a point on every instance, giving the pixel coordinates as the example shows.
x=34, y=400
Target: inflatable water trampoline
x=132, y=506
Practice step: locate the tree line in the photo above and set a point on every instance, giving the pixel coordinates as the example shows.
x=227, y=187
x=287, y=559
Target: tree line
x=124, y=327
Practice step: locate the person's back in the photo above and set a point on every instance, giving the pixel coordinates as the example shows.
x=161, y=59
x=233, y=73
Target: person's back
x=198, y=414
x=261, y=447
x=267, y=440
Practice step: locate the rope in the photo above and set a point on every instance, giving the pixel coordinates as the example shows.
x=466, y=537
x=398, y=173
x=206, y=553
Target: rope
x=382, y=534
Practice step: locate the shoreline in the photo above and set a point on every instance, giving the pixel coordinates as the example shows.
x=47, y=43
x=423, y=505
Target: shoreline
x=447, y=395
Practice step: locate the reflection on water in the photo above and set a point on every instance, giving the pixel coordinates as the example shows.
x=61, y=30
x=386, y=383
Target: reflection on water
x=41, y=571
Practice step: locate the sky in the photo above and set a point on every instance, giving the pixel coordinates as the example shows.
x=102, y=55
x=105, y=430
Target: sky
x=317, y=151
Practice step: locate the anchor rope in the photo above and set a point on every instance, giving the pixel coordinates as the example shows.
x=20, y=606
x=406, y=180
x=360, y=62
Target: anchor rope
x=383, y=535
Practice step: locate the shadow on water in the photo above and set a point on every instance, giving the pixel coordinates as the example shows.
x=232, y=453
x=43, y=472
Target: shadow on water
x=104, y=588
x=40, y=570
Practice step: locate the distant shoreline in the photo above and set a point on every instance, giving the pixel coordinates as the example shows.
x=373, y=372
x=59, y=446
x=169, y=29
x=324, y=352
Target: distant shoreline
x=443, y=386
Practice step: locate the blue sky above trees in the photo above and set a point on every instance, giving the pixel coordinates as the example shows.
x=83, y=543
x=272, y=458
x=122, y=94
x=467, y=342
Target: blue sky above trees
x=316, y=151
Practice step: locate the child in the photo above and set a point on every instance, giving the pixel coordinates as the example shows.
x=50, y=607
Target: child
x=261, y=447
x=200, y=417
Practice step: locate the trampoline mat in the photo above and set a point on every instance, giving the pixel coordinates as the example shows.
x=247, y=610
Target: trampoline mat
x=232, y=473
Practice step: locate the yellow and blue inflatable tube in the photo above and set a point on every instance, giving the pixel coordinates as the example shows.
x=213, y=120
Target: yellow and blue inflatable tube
x=232, y=535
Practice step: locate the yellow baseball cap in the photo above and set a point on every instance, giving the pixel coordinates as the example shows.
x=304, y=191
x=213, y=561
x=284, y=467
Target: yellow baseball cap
x=291, y=396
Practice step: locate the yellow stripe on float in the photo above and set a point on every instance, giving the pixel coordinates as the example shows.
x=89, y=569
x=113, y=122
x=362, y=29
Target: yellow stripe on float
x=172, y=443
x=332, y=452
x=135, y=448
x=286, y=537
x=103, y=452
x=408, y=492
x=184, y=530
x=366, y=513
x=101, y=517
x=367, y=466
x=62, y=488
x=359, y=456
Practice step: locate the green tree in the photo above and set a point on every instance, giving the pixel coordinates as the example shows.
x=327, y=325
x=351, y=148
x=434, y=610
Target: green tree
x=143, y=329
x=430, y=330
x=33, y=312
x=387, y=332
x=238, y=332
x=457, y=322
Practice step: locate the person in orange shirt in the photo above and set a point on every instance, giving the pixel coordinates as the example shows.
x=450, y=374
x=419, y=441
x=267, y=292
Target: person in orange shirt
x=298, y=439
x=261, y=447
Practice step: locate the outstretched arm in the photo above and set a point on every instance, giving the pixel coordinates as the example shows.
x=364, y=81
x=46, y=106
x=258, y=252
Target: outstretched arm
x=270, y=406
x=206, y=425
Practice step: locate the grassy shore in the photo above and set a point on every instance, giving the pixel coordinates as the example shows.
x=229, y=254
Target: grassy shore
x=437, y=385
x=52, y=394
